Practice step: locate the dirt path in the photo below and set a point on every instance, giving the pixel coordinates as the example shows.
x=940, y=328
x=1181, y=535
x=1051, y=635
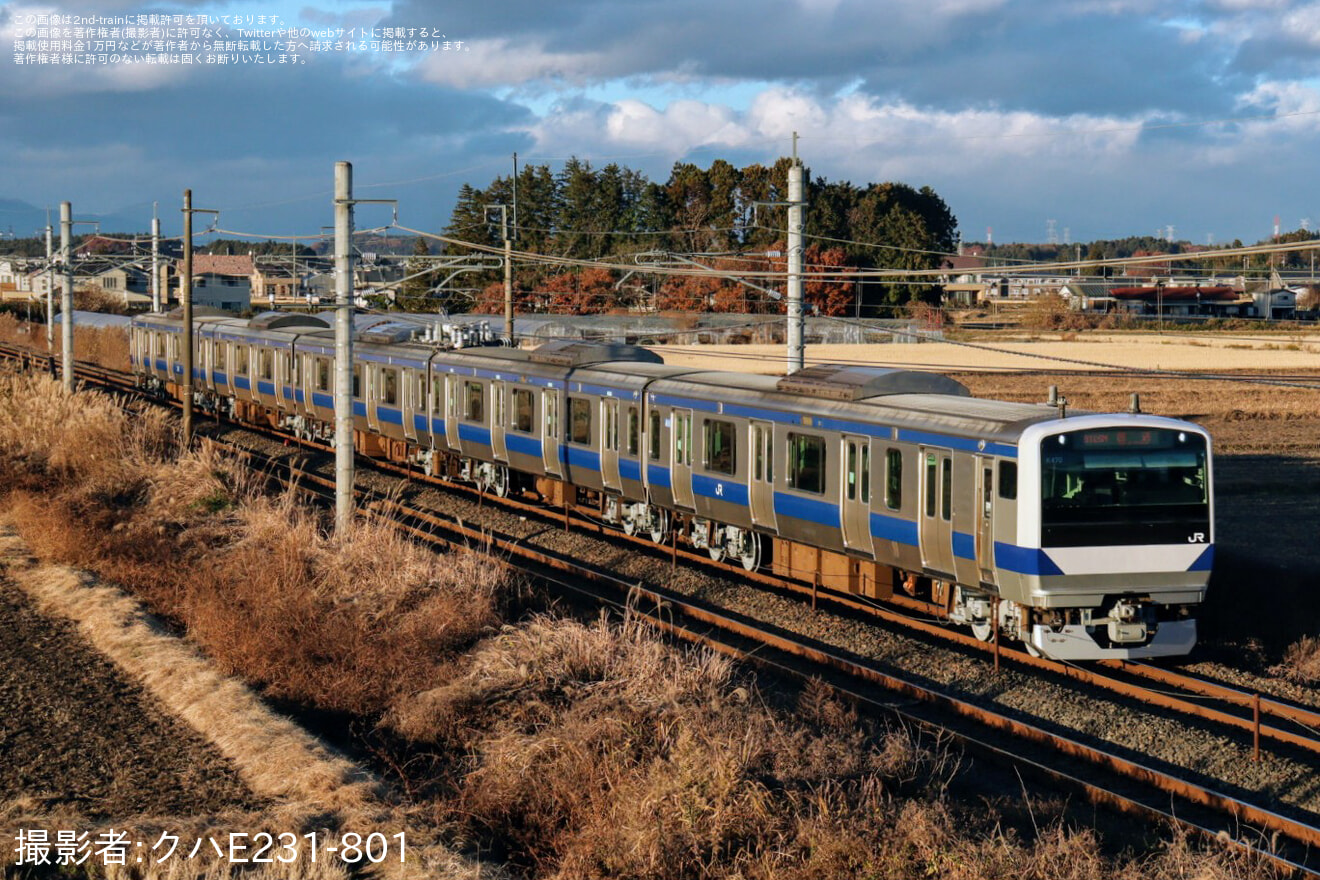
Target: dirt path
x=76, y=732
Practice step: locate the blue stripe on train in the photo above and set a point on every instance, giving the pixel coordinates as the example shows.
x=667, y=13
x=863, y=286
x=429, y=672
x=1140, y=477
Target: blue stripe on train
x=723, y=490
x=522, y=444
x=389, y=416
x=1024, y=560
x=820, y=512
x=474, y=434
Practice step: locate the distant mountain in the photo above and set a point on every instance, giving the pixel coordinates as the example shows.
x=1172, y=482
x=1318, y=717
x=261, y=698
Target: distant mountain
x=25, y=220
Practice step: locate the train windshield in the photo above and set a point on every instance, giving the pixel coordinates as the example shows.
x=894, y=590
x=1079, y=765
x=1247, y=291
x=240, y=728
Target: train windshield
x=1124, y=486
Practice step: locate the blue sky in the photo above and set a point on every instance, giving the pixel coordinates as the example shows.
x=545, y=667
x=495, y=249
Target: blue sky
x=1111, y=117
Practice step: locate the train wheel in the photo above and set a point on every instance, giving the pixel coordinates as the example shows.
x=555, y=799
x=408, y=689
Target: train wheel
x=499, y=481
x=750, y=550
x=659, y=525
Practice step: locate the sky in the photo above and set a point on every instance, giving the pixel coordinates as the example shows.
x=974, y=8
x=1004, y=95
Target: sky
x=1108, y=117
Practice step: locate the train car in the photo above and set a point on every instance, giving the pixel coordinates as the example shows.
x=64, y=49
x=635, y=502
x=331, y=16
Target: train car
x=1083, y=535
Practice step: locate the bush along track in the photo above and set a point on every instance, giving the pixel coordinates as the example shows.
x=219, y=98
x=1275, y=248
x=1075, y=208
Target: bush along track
x=555, y=746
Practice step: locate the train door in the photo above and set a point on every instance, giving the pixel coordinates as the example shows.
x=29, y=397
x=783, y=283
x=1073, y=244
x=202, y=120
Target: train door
x=372, y=396
x=449, y=406
x=856, y=491
x=936, y=532
x=412, y=401
x=551, y=429
x=985, y=539
x=499, y=420
x=761, y=489
x=609, y=444
x=682, y=467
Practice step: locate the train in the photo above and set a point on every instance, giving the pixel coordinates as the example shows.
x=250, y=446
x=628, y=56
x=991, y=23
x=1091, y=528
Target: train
x=1082, y=535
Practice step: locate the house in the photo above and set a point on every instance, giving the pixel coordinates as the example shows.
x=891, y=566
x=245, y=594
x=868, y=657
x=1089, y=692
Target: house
x=222, y=281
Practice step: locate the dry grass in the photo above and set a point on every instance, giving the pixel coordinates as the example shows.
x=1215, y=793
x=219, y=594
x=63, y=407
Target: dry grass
x=1301, y=662
x=106, y=346
x=571, y=750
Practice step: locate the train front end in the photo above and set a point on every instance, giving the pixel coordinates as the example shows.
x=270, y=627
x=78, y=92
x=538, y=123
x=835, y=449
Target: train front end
x=1122, y=518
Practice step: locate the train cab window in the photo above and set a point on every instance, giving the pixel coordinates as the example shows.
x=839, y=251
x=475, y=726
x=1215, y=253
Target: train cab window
x=322, y=374
x=389, y=387
x=806, y=463
x=946, y=487
x=241, y=359
x=522, y=410
x=654, y=435
x=579, y=420
x=634, y=430
x=265, y=363
x=1008, y=480
x=357, y=381
x=476, y=402
x=719, y=446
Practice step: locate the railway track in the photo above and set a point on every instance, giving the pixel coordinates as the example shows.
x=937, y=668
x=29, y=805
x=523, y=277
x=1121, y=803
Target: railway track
x=1110, y=778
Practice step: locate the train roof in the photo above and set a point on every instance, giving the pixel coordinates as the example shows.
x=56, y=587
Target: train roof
x=953, y=411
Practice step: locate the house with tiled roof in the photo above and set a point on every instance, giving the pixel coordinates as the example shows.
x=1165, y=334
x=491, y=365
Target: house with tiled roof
x=222, y=281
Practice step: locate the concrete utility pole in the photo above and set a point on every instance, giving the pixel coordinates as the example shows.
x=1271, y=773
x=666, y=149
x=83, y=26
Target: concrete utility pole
x=344, y=203
x=794, y=287
x=343, y=348
x=508, y=268
x=185, y=298
x=155, y=259
x=50, y=289
x=66, y=301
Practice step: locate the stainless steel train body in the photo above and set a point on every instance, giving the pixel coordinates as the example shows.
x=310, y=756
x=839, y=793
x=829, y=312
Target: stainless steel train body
x=1086, y=536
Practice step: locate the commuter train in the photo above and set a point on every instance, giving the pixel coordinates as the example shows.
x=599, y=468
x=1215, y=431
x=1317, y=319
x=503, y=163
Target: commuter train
x=1083, y=535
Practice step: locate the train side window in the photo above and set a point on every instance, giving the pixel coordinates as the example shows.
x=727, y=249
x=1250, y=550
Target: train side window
x=579, y=420
x=522, y=410
x=476, y=402
x=265, y=363
x=946, y=487
x=322, y=374
x=241, y=359
x=931, y=480
x=655, y=435
x=634, y=430
x=1008, y=480
x=219, y=356
x=720, y=457
x=389, y=387
x=158, y=346
x=173, y=346
x=866, y=473
x=850, y=476
x=500, y=416
x=609, y=417
x=291, y=369
x=419, y=395
x=806, y=463
x=893, y=479
x=357, y=381
x=758, y=451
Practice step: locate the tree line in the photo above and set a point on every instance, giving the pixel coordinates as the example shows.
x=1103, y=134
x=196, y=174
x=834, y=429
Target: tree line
x=728, y=218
